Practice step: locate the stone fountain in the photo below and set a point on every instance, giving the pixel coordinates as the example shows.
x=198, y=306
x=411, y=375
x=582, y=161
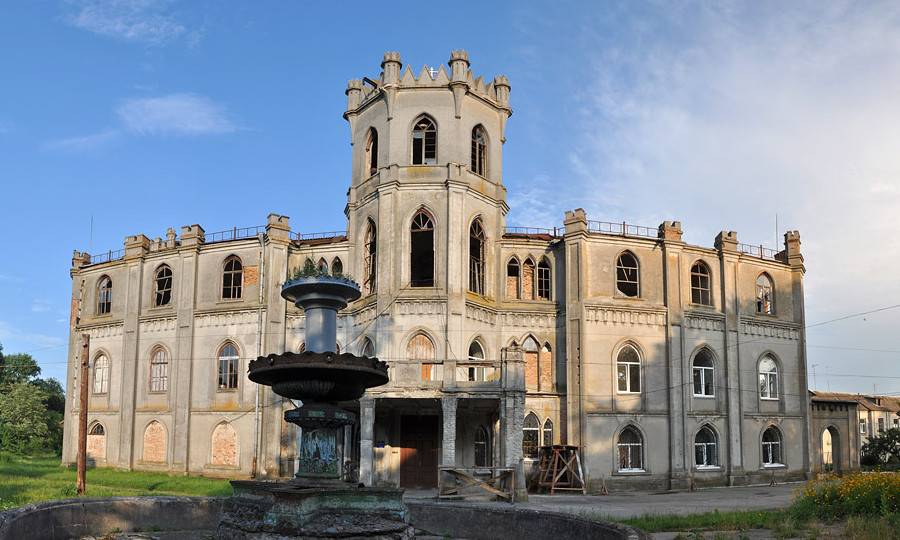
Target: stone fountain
x=316, y=503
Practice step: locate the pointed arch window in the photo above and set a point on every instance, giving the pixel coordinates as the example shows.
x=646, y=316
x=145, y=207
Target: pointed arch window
x=476, y=257
x=765, y=300
x=97, y=429
x=700, y=284
x=532, y=363
x=771, y=447
x=372, y=153
x=322, y=266
x=368, y=348
x=337, y=267
x=421, y=267
x=768, y=378
x=628, y=370
x=704, y=374
x=476, y=370
x=421, y=349
x=548, y=432
x=163, y=284
x=631, y=450
x=232, y=278
x=482, y=447
x=159, y=370
x=479, y=151
x=101, y=375
x=104, y=295
x=531, y=433
x=627, y=275
x=369, y=261
x=705, y=448
x=512, y=279
x=543, y=279
x=228, y=367
x=424, y=142
x=528, y=279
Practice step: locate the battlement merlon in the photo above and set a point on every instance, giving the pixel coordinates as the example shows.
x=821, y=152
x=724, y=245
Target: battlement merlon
x=393, y=77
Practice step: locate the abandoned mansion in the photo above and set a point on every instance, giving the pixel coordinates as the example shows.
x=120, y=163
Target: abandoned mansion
x=657, y=360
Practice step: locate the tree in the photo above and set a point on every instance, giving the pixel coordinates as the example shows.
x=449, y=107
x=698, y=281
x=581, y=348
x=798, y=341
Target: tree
x=882, y=448
x=31, y=408
x=16, y=368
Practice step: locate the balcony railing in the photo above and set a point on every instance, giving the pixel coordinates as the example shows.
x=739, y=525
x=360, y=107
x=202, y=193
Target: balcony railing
x=106, y=257
x=622, y=229
x=236, y=233
x=761, y=252
x=534, y=230
x=300, y=237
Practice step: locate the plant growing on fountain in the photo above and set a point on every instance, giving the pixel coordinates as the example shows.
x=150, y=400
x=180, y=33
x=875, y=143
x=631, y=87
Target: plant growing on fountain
x=309, y=270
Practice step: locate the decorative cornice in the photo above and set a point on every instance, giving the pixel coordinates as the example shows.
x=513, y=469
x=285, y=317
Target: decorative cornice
x=528, y=319
x=225, y=318
x=481, y=313
x=294, y=322
x=160, y=324
x=420, y=307
x=365, y=315
x=770, y=329
x=705, y=321
x=102, y=330
x=614, y=315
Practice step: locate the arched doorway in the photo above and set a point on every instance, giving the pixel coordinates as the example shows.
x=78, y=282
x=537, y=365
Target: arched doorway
x=830, y=450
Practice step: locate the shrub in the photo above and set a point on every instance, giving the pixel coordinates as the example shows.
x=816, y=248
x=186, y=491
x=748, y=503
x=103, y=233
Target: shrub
x=860, y=493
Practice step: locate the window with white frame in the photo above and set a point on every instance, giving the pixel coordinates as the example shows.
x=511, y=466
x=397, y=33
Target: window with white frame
x=771, y=447
x=768, y=378
x=101, y=375
x=704, y=374
x=159, y=370
x=628, y=370
x=228, y=367
x=705, y=451
x=631, y=450
x=862, y=427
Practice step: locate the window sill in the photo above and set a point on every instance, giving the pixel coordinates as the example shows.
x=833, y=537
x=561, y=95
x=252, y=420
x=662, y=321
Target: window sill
x=768, y=398
x=707, y=468
x=226, y=389
x=623, y=393
x=632, y=472
x=619, y=296
x=773, y=466
x=705, y=396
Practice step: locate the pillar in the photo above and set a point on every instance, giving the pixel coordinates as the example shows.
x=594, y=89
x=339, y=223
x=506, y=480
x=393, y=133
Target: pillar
x=366, y=440
x=448, y=438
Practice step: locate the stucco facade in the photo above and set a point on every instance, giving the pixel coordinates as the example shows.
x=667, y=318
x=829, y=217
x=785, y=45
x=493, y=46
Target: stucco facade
x=658, y=359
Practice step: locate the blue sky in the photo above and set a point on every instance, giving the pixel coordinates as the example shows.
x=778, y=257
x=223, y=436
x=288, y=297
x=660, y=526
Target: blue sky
x=150, y=114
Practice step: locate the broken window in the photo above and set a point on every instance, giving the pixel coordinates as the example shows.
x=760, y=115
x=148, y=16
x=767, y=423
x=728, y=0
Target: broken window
x=627, y=276
x=322, y=266
x=476, y=257
x=531, y=433
x=372, y=153
x=104, y=296
x=543, y=280
x=705, y=453
x=479, y=151
x=159, y=370
x=337, y=267
x=163, y=283
x=631, y=450
x=768, y=378
x=97, y=429
x=512, y=279
x=703, y=374
x=700, y=289
x=482, y=447
x=421, y=270
x=528, y=280
x=473, y=372
x=548, y=433
x=421, y=349
x=101, y=375
x=628, y=370
x=764, y=299
x=232, y=278
x=771, y=446
x=228, y=367
x=424, y=142
x=369, y=261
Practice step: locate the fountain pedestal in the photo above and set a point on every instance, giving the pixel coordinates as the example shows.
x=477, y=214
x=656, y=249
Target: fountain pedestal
x=316, y=504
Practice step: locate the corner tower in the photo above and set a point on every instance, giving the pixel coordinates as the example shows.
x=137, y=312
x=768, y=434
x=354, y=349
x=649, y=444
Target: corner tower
x=427, y=157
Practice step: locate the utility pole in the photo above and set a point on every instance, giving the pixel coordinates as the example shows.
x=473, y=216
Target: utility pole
x=82, y=413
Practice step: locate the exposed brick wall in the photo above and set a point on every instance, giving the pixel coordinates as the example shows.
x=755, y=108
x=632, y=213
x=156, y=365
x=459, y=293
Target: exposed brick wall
x=154, y=443
x=546, y=368
x=96, y=447
x=531, y=370
x=527, y=282
x=224, y=445
x=73, y=317
x=512, y=286
x=251, y=275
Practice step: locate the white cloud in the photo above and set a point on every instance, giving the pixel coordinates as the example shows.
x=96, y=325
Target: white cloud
x=85, y=144
x=41, y=305
x=148, y=21
x=177, y=114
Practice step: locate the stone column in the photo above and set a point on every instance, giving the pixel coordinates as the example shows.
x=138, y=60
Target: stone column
x=366, y=440
x=448, y=438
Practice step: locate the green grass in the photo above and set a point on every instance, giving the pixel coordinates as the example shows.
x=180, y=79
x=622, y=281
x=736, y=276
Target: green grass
x=25, y=480
x=723, y=521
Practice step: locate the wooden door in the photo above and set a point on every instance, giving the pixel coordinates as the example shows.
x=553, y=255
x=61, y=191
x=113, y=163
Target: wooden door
x=418, y=451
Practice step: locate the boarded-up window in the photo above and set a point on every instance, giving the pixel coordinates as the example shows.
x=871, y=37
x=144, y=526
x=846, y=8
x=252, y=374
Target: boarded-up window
x=512, y=279
x=532, y=361
x=96, y=442
x=154, y=443
x=421, y=349
x=528, y=280
x=224, y=445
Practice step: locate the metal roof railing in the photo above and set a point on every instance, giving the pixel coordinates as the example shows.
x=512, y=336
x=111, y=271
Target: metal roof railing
x=622, y=229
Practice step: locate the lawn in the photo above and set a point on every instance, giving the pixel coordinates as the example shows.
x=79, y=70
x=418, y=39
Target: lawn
x=25, y=480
